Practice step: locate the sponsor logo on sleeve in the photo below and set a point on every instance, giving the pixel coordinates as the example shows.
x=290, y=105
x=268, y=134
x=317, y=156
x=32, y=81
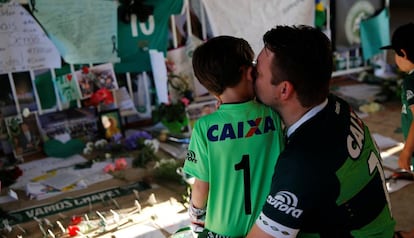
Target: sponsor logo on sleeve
x=410, y=94
x=286, y=202
x=191, y=157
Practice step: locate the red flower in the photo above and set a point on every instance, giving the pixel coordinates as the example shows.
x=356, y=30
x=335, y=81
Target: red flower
x=185, y=101
x=120, y=164
x=109, y=168
x=75, y=220
x=73, y=230
x=102, y=95
x=85, y=70
x=16, y=172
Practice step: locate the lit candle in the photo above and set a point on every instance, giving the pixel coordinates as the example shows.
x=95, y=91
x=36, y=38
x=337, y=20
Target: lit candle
x=61, y=226
x=51, y=233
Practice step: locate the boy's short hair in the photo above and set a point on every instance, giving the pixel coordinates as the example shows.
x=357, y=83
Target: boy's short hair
x=218, y=62
x=403, y=38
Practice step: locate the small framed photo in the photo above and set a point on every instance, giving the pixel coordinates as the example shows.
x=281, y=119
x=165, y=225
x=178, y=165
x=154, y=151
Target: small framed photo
x=77, y=123
x=90, y=79
x=24, y=134
x=110, y=124
x=197, y=110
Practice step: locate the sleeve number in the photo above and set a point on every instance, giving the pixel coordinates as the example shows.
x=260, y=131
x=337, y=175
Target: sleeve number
x=244, y=165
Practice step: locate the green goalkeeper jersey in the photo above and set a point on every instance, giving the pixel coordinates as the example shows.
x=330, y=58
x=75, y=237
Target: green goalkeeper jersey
x=235, y=150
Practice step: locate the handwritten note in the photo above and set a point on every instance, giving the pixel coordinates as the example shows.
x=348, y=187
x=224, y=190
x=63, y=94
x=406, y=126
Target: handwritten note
x=83, y=31
x=23, y=43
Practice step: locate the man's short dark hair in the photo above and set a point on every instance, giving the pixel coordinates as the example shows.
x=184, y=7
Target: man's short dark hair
x=303, y=56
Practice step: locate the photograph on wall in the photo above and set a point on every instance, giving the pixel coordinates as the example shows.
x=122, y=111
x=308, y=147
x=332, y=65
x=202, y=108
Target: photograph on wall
x=105, y=76
x=91, y=79
x=67, y=88
x=7, y=103
x=110, y=123
x=197, y=110
x=140, y=90
x=86, y=82
x=3, y=128
x=24, y=134
x=24, y=91
x=73, y=123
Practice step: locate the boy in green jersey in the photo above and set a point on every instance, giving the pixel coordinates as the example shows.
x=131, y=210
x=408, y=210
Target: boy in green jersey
x=403, y=45
x=233, y=150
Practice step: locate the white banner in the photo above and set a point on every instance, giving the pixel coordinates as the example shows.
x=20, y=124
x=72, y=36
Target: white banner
x=250, y=19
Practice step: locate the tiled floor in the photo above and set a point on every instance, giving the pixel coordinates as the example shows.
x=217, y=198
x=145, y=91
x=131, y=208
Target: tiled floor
x=386, y=122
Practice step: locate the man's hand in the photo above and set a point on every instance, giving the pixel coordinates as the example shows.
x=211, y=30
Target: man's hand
x=404, y=161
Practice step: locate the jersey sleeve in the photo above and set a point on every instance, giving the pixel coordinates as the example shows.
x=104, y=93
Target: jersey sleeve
x=177, y=7
x=292, y=197
x=196, y=163
x=409, y=88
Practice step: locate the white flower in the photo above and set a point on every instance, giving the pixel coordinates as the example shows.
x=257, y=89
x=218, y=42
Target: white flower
x=89, y=145
x=154, y=144
x=87, y=151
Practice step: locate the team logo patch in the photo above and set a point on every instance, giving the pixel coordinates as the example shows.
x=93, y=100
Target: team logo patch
x=191, y=157
x=410, y=94
x=286, y=202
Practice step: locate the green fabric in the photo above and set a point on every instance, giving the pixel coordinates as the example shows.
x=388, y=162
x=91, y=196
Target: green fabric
x=381, y=223
x=407, y=100
x=237, y=144
x=354, y=184
x=45, y=90
x=176, y=127
x=45, y=87
x=375, y=33
x=55, y=148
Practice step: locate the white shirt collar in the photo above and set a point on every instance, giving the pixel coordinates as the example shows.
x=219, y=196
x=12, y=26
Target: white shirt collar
x=306, y=117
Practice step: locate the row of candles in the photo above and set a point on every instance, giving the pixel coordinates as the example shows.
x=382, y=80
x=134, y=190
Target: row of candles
x=82, y=225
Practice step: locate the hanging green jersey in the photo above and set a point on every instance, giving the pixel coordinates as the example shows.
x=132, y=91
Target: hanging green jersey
x=137, y=38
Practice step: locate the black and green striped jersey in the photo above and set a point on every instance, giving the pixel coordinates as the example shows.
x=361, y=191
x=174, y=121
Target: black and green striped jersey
x=329, y=180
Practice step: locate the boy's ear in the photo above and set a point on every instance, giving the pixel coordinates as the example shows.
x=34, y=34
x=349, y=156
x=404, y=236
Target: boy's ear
x=250, y=73
x=403, y=53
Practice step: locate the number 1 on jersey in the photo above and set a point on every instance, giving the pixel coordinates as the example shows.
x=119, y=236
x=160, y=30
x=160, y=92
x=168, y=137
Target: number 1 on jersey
x=244, y=165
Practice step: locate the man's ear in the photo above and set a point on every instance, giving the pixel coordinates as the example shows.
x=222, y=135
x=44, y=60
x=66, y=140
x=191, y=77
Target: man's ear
x=286, y=89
